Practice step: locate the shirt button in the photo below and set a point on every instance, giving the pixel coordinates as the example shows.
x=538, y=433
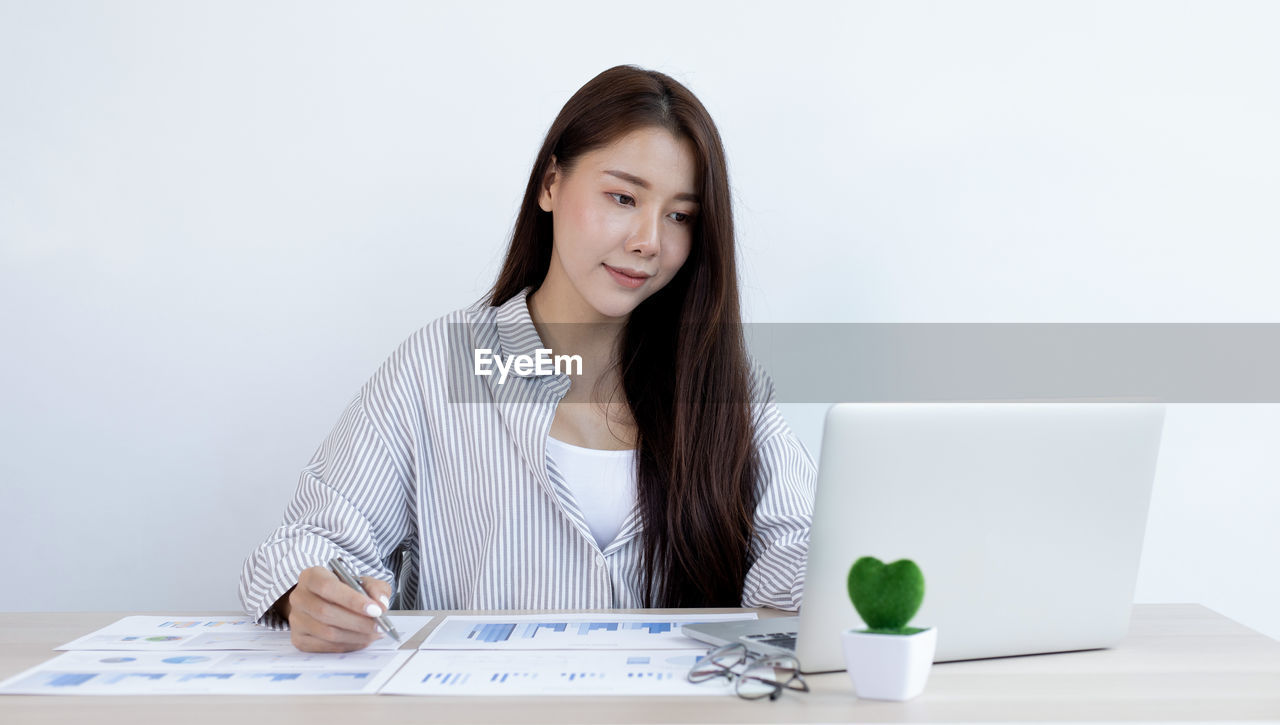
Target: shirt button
x=599, y=561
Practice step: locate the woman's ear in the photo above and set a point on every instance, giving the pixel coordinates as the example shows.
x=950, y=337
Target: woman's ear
x=548, y=181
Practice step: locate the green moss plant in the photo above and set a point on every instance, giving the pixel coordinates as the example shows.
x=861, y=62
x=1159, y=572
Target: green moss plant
x=886, y=597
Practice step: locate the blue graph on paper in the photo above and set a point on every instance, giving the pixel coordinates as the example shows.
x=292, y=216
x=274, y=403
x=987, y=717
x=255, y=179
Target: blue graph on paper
x=206, y=676
x=577, y=630
x=71, y=680
x=531, y=630
x=503, y=631
x=449, y=678
x=549, y=672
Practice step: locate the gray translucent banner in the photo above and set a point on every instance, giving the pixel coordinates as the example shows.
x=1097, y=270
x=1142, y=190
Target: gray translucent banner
x=1171, y=362
x=879, y=362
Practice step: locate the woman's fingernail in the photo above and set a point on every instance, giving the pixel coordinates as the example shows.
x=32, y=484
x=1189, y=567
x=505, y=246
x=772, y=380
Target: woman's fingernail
x=385, y=602
x=373, y=610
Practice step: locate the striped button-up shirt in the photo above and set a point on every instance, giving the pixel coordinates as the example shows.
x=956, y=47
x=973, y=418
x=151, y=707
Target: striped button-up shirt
x=437, y=480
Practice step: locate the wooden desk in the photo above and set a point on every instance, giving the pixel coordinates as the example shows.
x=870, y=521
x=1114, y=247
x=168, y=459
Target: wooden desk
x=1180, y=662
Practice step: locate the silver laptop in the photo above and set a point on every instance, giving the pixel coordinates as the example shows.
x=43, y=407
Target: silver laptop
x=1027, y=520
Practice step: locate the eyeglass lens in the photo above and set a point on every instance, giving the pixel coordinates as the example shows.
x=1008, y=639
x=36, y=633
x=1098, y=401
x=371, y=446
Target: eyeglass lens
x=768, y=676
x=719, y=662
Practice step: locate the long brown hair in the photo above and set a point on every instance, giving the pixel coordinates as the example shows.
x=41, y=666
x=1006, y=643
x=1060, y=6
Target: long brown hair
x=697, y=468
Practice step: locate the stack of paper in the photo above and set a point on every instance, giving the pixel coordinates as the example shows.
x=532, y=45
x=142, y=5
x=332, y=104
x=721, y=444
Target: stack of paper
x=183, y=655
x=576, y=654
x=555, y=654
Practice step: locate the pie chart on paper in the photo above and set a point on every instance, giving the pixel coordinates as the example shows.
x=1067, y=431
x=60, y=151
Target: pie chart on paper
x=184, y=660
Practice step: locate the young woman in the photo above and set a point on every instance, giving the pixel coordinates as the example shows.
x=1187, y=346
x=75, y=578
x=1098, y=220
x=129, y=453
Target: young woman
x=656, y=472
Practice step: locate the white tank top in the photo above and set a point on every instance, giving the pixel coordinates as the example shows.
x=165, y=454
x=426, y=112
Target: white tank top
x=602, y=482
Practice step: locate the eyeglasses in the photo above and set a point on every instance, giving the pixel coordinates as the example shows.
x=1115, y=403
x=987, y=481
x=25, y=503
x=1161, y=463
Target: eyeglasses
x=762, y=675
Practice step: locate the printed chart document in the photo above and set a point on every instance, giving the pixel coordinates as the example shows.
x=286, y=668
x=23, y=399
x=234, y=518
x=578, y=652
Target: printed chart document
x=570, y=631
x=212, y=672
x=559, y=654
x=562, y=672
x=147, y=633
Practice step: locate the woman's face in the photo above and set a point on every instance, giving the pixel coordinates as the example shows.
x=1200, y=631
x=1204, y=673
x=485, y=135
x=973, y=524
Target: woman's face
x=622, y=221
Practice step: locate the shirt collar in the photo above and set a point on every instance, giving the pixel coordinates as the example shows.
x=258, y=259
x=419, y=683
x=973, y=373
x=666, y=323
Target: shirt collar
x=517, y=334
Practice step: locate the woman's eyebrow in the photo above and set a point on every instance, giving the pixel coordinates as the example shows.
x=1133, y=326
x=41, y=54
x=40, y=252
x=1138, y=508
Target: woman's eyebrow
x=631, y=178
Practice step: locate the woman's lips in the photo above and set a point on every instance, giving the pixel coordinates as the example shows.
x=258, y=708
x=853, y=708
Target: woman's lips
x=625, y=279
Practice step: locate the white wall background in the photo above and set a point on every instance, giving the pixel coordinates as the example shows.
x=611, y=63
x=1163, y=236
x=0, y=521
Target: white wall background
x=216, y=219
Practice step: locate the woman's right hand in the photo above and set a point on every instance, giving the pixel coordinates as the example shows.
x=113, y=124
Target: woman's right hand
x=326, y=615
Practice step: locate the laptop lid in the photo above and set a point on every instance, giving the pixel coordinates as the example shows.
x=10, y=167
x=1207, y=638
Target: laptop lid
x=1027, y=520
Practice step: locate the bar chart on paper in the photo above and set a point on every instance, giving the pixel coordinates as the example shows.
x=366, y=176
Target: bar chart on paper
x=612, y=672
x=569, y=631
x=88, y=672
x=152, y=633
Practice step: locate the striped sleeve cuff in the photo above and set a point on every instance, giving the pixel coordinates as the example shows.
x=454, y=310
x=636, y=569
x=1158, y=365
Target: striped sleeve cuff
x=274, y=569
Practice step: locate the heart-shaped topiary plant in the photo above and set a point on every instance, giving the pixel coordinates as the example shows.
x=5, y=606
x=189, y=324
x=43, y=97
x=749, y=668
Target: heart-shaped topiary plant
x=886, y=597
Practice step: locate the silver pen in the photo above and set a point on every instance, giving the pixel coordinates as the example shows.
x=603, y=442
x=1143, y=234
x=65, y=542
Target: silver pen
x=349, y=578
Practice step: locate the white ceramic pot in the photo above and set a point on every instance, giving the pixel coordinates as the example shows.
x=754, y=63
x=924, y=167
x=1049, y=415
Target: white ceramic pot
x=889, y=666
